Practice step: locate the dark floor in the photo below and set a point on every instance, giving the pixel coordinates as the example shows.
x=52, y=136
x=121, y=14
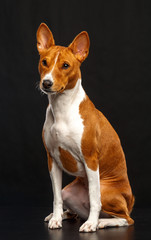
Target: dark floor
x=25, y=223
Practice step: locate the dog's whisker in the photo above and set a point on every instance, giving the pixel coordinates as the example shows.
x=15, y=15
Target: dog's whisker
x=41, y=92
x=37, y=85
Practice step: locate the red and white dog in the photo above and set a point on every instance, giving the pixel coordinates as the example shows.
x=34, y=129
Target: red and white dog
x=80, y=140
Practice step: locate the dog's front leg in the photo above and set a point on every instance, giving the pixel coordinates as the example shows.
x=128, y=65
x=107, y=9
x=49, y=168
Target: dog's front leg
x=95, y=200
x=56, y=177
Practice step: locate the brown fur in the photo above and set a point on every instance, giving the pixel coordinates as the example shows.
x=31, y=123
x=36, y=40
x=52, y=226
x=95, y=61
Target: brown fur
x=49, y=158
x=68, y=161
x=101, y=146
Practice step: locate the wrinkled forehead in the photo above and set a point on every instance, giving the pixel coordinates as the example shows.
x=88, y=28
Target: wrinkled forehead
x=57, y=51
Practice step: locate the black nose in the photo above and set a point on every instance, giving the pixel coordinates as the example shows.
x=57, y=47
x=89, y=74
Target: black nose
x=47, y=83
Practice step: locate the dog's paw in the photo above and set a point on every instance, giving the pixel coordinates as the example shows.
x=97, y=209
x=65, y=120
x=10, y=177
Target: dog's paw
x=55, y=223
x=102, y=223
x=69, y=215
x=48, y=217
x=88, y=226
x=112, y=222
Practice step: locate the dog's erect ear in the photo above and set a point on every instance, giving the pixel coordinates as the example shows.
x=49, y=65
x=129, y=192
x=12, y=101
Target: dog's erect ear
x=44, y=38
x=80, y=46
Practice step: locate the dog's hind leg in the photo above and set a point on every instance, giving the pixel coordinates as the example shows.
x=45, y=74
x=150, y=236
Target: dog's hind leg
x=68, y=214
x=112, y=222
x=76, y=199
x=114, y=203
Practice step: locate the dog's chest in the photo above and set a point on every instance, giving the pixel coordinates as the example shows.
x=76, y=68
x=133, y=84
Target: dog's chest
x=63, y=138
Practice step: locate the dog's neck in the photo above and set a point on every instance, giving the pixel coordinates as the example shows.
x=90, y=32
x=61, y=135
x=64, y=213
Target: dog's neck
x=61, y=102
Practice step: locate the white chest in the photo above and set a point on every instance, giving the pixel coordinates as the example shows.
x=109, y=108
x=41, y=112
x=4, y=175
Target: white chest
x=64, y=128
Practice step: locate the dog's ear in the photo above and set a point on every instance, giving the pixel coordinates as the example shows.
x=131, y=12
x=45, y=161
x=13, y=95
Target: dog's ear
x=80, y=46
x=44, y=38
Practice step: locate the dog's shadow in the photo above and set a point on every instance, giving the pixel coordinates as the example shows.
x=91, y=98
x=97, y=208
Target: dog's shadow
x=121, y=233
x=70, y=231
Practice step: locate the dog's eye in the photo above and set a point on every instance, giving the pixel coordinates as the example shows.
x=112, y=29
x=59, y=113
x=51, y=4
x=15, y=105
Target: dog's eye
x=44, y=62
x=65, y=65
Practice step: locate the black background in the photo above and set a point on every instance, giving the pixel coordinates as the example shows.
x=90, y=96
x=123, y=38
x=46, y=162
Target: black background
x=116, y=77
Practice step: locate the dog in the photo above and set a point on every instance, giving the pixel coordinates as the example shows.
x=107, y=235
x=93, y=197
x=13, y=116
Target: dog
x=80, y=141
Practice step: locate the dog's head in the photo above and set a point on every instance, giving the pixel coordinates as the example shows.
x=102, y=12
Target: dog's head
x=59, y=67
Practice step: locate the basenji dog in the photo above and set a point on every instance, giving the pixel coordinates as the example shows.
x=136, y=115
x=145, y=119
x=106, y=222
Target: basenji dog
x=80, y=141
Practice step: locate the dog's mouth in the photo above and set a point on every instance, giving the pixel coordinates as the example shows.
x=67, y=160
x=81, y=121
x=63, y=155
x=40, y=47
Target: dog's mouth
x=49, y=91
x=46, y=91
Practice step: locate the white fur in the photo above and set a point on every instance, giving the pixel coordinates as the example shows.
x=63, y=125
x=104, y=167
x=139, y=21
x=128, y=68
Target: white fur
x=95, y=200
x=64, y=128
x=64, y=125
x=112, y=222
x=49, y=76
x=56, y=178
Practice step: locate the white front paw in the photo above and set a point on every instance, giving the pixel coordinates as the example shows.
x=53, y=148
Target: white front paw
x=88, y=226
x=55, y=223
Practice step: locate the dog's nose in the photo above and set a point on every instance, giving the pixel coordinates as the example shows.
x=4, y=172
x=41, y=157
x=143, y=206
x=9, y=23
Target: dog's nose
x=47, y=83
